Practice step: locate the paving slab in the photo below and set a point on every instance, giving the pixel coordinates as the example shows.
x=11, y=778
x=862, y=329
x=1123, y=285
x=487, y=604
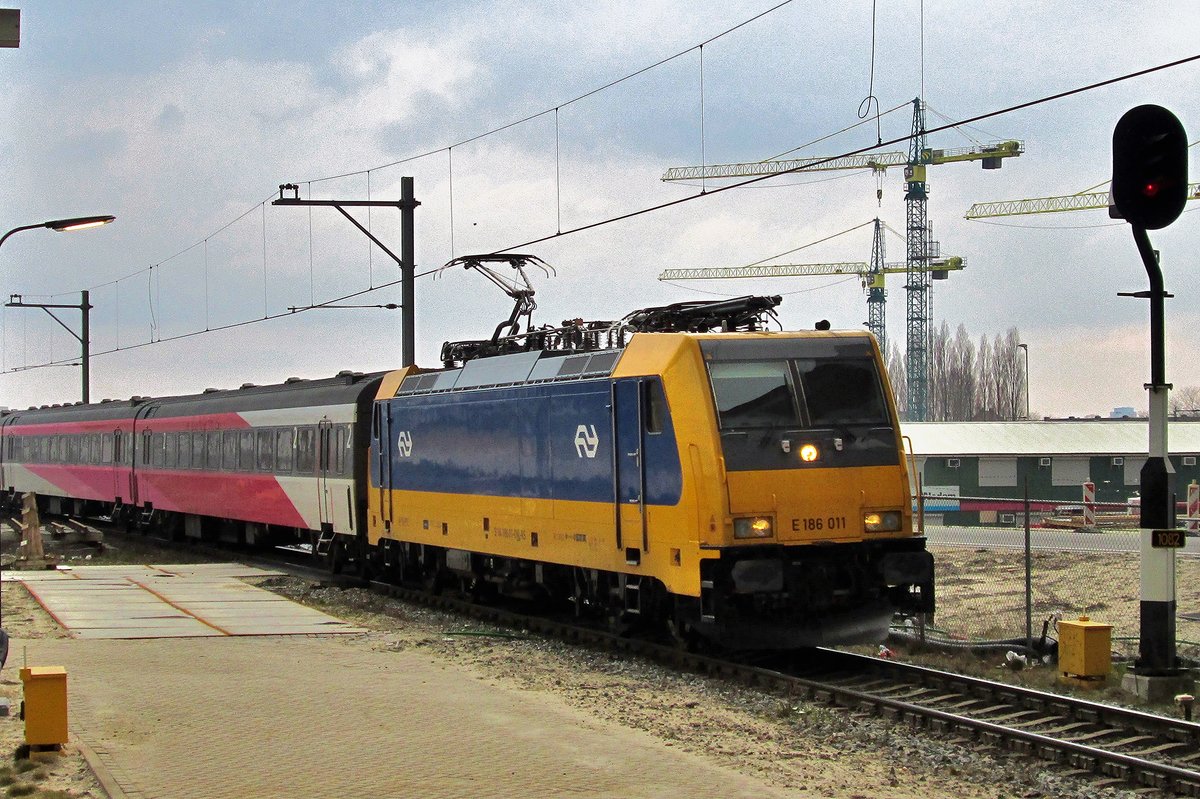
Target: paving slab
x=230, y=718
x=171, y=602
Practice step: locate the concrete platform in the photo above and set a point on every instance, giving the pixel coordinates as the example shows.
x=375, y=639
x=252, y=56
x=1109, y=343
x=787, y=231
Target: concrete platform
x=233, y=717
x=194, y=600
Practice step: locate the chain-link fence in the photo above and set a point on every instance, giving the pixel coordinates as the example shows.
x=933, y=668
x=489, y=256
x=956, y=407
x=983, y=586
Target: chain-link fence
x=1000, y=578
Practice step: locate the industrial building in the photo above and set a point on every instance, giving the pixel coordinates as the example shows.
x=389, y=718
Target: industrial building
x=982, y=461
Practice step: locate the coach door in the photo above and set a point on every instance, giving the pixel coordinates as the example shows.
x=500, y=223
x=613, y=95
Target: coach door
x=629, y=463
x=117, y=450
x=325, y=461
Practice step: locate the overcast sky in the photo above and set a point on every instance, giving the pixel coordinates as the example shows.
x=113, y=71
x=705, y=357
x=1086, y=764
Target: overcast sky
x=183, y=118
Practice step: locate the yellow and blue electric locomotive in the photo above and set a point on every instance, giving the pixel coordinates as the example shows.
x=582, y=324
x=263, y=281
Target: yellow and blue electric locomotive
x=745, y=487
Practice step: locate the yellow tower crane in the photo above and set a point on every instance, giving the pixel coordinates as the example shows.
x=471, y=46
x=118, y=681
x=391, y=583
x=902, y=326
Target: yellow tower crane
x=918, y=236
x=1083, y=201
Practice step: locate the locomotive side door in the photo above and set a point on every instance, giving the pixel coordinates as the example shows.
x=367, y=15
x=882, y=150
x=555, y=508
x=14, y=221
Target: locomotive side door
x=629, y=465
x=325, y=445
x=383, y=461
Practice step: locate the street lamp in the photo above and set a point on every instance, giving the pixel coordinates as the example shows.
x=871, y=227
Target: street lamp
x=1026, y=348
x=63, y=225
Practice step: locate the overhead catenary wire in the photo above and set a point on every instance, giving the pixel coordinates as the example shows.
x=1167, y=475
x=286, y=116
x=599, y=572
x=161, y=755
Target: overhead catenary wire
x=687, y=199
x=859, y=151
x=564, y=104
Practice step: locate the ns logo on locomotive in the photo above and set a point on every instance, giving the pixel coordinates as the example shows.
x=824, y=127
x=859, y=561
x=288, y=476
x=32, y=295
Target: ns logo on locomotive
x=683, y=468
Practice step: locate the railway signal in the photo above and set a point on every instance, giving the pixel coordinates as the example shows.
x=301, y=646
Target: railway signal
x=1149, y=182
x=1149, y=189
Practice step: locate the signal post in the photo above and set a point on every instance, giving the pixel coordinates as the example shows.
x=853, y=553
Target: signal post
x=1149, y=187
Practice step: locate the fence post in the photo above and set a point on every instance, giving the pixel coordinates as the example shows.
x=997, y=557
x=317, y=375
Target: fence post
x=1089, y=505
x=1193, y=507
x=1028, y=574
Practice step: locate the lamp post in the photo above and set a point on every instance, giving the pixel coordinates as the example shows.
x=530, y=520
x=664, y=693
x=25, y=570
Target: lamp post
x=63, y=225
x=1025, y=347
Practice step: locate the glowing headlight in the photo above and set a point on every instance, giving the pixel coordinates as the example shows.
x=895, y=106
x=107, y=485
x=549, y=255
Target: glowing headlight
x=887, y=521
x=753, y=527
x=808, y=453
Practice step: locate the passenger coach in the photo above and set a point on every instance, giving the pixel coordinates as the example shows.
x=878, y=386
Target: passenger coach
x=256, y=464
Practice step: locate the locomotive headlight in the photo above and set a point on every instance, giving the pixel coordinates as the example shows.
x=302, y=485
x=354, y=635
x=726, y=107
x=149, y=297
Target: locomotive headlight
x=887, y=521
x=809, y=453
x=753, y=527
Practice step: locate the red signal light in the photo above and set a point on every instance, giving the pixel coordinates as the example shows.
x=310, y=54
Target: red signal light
x=1150, y=189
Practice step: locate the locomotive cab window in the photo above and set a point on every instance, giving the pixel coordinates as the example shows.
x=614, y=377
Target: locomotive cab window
x=655, y=406
x=754, y=394
x=842, y=392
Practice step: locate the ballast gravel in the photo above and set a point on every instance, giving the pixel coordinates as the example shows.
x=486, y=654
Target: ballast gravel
x=793, y=745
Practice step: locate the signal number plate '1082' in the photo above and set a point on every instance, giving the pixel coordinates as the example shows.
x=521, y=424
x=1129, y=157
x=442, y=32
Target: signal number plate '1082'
x=1166, y=539
x=812, y=524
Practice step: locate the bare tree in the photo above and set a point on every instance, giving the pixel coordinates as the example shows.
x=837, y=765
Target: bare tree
x=960, y=401
x=1185, y=401
x=985, y=395
x=897, y=376
x=939, y=373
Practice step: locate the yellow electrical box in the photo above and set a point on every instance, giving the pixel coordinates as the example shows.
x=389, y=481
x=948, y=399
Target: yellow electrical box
x=1084, y=650
x=45, y=706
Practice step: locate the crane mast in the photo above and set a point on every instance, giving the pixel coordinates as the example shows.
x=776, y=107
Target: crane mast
x=916, y=200
x=876, y=293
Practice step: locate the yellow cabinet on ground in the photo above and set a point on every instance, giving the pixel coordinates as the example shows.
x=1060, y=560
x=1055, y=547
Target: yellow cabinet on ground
x=45, y=705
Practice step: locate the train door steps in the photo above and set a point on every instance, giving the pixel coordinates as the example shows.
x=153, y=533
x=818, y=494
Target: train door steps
x=185, y=601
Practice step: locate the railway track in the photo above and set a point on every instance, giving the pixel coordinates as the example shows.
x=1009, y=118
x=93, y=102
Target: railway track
x=1107, y=744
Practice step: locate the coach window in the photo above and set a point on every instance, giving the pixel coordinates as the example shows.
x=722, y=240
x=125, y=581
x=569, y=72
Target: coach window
x=158, y=449
x=171, y=451
x=213, y=439
x=72, y=449
x=198, y=450
x=339, y=461
x=185, y=450
x=283, y=450
x=229, y=450
x=306, y=449
x=265, y=459
x=246, y=450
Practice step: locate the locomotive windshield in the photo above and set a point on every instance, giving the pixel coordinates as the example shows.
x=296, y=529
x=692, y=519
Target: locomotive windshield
x=831, y=392
x=773, y=396
x=754, y=393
